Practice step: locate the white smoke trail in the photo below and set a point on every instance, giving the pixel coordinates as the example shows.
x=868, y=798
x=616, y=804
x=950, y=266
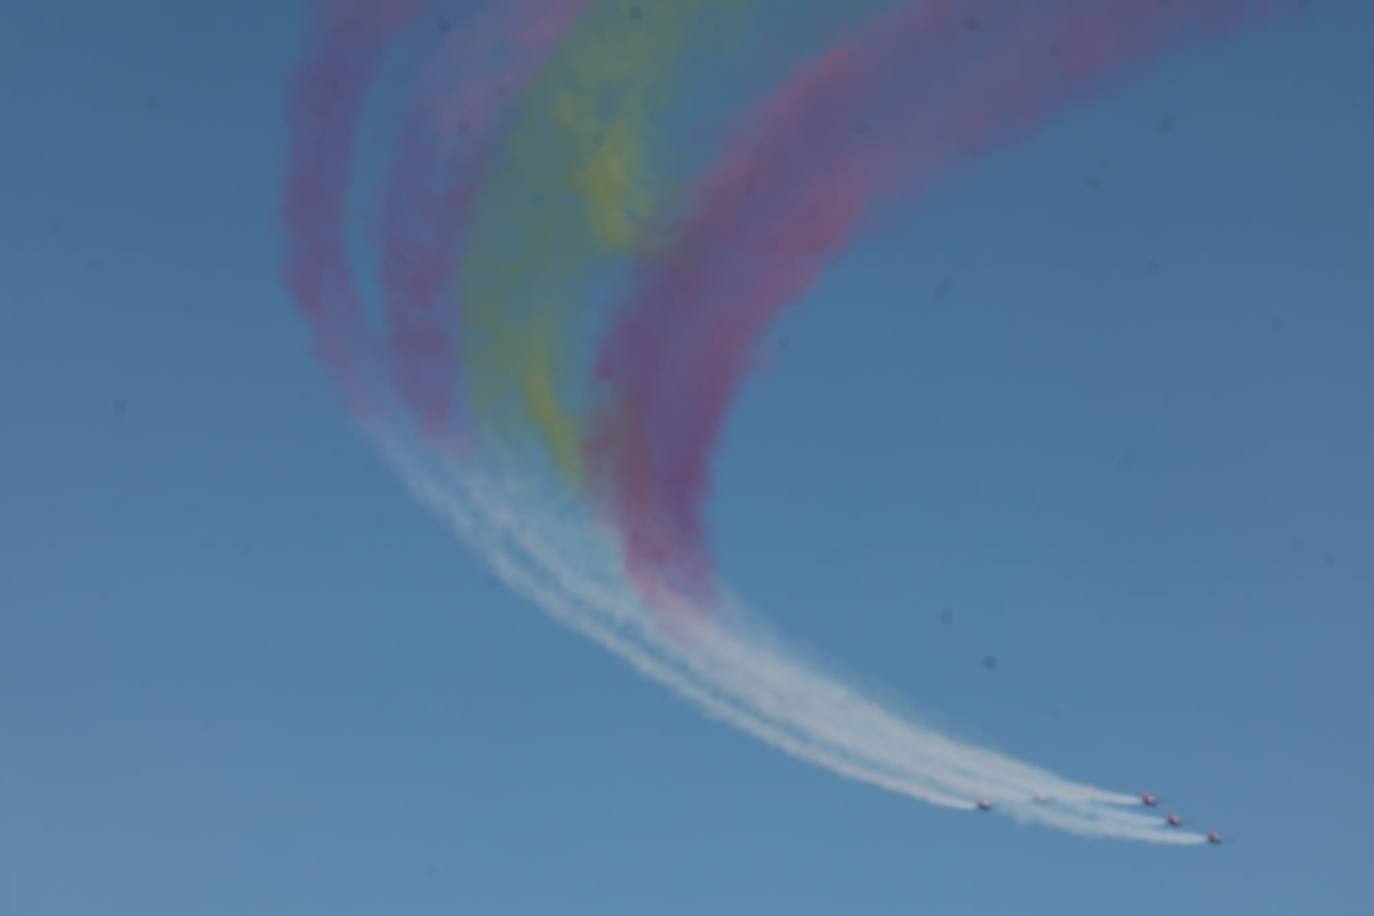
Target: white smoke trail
x=550, y=552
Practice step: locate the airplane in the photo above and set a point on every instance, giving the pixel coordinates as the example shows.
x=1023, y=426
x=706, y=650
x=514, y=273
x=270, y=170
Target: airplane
x=1148, y=800
x=1214, y=838
x=1173, y=820
x=984, y=806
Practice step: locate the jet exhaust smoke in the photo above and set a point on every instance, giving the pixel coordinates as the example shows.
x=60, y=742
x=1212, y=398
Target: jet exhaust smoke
x=526, y=137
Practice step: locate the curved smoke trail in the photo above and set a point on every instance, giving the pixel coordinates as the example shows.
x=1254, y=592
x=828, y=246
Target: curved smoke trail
x=550, y=552
x=445, y=147
x=787, y=195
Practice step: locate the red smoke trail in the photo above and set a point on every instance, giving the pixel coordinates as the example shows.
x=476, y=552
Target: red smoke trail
x=326, y=98
x=444, y=145
x=926, y=87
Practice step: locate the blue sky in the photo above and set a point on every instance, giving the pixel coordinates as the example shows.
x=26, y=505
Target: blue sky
x=1126, y=452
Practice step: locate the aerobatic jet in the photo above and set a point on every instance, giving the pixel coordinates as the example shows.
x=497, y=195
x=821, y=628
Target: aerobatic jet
x=1214, y=838
x=1173, y=820
x=1148, y=800
x=984, y=806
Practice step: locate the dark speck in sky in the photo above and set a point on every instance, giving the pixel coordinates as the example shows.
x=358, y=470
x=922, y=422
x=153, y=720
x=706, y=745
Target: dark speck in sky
x=1153, y=267
x=444, y=25
x=947, y=617
x=119, y=407
x=636, y=12
x=1093, y=183
x=1166, y=124
x=942, y=288
x=990, y=662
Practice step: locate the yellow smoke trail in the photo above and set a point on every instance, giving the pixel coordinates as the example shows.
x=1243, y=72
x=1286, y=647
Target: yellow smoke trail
x=571, y=187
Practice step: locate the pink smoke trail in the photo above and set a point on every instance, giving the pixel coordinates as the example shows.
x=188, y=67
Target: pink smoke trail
x=445, y=143
x=326, y=97
x=945, y=80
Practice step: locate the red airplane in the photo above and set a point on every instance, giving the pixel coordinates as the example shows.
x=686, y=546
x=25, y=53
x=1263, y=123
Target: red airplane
x=1148, y=800
x=1214, y=838
x=984, y=806
x=1173, y=820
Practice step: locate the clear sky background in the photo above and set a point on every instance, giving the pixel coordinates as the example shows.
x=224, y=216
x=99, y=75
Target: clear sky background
x=1099, y=407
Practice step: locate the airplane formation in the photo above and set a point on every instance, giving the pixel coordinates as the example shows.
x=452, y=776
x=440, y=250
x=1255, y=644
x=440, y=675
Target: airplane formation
x=1146, y=799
